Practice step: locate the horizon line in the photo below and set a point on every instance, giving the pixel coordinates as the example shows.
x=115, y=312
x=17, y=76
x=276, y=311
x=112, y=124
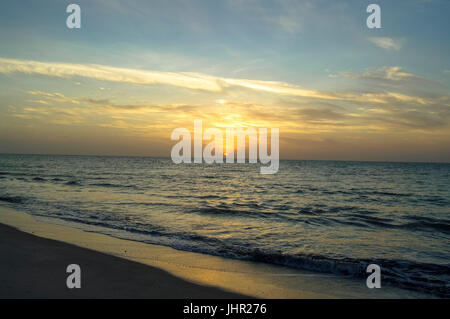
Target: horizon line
x=281, y=159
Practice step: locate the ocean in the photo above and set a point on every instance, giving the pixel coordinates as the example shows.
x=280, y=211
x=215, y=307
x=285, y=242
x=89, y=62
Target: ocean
x=326, y=216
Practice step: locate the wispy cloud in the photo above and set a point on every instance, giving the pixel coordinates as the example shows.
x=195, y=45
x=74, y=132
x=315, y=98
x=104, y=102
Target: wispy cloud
x=194, y=81
x=389, y=44
x=108, y=73
x=391, y=73
x=308, y=118
x=56, y=97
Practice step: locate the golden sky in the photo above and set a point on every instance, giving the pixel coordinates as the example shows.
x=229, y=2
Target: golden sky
x=372, y=96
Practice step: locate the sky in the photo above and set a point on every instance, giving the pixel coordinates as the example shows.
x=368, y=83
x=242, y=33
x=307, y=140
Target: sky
x=137, y=70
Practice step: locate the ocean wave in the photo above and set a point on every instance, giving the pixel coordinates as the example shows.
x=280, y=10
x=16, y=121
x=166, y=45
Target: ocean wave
x=12, y=199
x=420, y=224
x=428, y=223
x=110, y=185
x=73, y=183
x=230, y=212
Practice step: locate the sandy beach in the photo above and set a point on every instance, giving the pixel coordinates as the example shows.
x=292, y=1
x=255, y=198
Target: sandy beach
x=34, y=267
x=35, y=254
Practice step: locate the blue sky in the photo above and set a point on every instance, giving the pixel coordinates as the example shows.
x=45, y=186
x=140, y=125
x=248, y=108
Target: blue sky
x=295, y=39
x=318, y=46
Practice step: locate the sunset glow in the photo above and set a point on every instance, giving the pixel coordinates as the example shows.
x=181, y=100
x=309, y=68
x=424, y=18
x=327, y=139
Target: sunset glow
x=125, y=100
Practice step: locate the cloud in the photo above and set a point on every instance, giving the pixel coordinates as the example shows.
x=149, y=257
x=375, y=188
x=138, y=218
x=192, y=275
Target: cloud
x=113, y=74
x=321, y=114
x=196, y=81
x=392, y=73
x=292, y=115
x=291, y=17
x=398, y=84
x=56, y=97
x=388, y=44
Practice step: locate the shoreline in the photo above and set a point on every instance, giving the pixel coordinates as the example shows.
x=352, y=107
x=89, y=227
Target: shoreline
x=172, y=273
